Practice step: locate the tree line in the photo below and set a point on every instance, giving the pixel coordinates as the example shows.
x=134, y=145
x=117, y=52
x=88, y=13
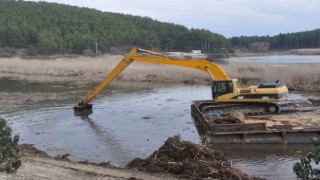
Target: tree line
x=298, y=40
x=50, y=28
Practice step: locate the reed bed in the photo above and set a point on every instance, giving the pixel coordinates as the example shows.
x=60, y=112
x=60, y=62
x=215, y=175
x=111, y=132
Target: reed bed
x=301, y=77
x=96, y=68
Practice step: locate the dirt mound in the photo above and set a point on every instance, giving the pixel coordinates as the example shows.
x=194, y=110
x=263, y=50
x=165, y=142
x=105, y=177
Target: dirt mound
x=29, y=149
x=188, y=160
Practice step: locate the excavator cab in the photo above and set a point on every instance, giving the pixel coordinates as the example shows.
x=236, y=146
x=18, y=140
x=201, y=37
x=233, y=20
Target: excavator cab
x=220, y=88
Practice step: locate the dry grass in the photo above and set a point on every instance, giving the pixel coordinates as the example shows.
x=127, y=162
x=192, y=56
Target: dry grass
x=80, y=66
x=299, y=77
x=304, y=77
x=95, y=68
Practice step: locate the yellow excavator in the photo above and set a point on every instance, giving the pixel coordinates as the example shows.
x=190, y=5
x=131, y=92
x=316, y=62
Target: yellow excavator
x=226, y=92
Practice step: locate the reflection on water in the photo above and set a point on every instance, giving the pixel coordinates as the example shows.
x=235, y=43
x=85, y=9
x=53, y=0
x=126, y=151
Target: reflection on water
x=270, y=161
x=126, y=124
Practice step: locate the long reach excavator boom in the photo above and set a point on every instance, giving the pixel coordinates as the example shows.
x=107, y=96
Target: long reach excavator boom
x=224, y=89
x=214, y=70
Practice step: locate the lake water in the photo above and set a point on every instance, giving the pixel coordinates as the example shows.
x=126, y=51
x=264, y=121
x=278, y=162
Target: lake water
x=277, y=59
x=133, y=120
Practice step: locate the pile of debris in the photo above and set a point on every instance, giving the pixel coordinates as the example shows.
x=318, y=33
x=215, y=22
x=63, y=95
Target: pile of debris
x=188, y=160
x=233, y=118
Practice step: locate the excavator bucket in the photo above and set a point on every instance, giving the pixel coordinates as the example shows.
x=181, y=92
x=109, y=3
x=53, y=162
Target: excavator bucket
x=83, y=108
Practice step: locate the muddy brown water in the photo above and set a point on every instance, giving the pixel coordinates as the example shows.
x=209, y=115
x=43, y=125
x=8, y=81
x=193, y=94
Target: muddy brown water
x=133, y=120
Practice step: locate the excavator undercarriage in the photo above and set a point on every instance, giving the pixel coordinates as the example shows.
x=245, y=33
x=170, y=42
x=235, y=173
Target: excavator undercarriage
x=249, y=109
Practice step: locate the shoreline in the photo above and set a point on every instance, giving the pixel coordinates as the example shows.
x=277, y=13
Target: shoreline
x=300, y=85
x=303, y=52
x=38, y=165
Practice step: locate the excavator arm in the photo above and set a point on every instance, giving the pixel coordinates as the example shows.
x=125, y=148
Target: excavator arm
x=113, y=74
x=215, y=71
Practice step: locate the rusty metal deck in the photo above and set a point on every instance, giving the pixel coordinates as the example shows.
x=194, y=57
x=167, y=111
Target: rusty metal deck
x=293, y=128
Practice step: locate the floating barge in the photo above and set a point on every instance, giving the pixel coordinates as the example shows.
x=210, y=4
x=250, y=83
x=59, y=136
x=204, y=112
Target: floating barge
x=297, y=127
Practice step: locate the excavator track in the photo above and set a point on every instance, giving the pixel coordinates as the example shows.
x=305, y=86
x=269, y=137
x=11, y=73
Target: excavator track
x=224, y=109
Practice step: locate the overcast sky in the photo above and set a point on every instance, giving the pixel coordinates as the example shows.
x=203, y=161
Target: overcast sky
x=226, y=17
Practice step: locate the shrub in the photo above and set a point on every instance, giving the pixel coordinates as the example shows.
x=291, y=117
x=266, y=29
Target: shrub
x=304, y=169
x=7, y=52
x=31, y=51
x=9, y=149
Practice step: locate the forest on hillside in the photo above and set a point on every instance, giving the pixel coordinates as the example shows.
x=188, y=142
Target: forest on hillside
x=298, y=40
x=51, y=28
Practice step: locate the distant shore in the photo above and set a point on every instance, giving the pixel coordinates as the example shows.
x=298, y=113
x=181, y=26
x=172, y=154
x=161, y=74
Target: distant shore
x=314, y=51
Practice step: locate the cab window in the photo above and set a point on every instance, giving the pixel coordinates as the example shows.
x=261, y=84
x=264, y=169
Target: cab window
x=224, y=87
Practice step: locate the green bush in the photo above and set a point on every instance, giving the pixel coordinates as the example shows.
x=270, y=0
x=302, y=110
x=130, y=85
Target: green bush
x=31, y=51
x=9, y=149
x=304, y=169
x=7, y=52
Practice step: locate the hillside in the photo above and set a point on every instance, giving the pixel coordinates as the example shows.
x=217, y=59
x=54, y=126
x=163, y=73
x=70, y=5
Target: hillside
x=50, y=28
